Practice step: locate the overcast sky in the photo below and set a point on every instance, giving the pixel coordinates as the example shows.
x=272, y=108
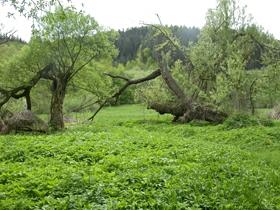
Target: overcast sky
x=123, y=14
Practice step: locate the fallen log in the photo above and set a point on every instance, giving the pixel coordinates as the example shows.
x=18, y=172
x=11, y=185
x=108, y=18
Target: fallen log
x=186, y=112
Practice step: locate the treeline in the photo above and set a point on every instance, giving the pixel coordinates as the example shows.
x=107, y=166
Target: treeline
x=130, y=41
x=143, y=41
x=12, y=38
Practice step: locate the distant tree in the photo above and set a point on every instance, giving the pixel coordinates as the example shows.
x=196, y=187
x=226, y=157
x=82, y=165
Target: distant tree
x=129, y=42
x=137, y=40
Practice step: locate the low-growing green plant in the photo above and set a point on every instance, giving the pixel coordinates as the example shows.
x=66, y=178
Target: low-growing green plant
x=131, y=158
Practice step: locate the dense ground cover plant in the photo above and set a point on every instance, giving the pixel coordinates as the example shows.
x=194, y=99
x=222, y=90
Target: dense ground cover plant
x=130, y=158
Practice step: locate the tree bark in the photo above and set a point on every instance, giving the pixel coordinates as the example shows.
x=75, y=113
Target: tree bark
x=176, y=109
x=251, y=98
x=28, y=100
x=186, y=112
x=56, y=112
x=170, y=81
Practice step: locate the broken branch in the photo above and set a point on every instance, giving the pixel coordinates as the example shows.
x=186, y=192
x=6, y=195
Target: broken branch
x=24, y=90
x=128, y=83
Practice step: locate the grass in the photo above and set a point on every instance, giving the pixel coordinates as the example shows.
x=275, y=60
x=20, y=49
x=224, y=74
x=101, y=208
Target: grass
x=132, y=158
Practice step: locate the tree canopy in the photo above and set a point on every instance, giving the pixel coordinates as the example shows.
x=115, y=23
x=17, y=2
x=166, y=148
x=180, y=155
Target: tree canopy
x=229, y=65
x=64, y=42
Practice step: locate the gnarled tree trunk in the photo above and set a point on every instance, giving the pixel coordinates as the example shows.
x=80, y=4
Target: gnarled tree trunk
x=56, y=112
x=186, y=112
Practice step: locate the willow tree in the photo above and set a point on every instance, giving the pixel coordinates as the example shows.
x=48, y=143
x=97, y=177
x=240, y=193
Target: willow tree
x=72, y=40
x=216, y=74
x=210, y=75
x=64, y=42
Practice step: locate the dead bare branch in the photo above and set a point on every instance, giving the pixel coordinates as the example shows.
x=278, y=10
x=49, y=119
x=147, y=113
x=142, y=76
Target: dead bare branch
x=24, y=90
x=128, y=83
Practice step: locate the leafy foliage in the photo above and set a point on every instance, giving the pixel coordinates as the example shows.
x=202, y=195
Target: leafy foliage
x=244, y=120
x=226, y=68
x=134, y=41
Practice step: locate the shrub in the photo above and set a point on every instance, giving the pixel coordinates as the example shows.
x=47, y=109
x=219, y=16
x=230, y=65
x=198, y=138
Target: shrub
x=245, y=120
x=275, y=112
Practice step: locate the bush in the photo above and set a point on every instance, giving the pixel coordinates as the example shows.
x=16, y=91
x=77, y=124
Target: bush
x=275, y=113
x=245, y=120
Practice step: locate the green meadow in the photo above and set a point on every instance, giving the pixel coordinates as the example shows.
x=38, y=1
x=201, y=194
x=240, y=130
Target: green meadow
x=133, y=158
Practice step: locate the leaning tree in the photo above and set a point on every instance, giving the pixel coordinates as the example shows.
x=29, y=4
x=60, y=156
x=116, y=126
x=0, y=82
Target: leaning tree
x=211, y=75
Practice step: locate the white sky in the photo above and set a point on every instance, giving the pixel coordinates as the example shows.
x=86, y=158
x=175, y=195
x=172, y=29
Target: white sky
x=128, y=13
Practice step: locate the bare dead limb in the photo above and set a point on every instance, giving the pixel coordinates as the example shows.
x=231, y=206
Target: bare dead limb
x=116, y=76
x=85, y=104
x=128, y=83
x=24, y=90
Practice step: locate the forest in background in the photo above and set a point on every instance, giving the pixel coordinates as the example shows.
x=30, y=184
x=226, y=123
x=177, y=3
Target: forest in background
x=136, y=56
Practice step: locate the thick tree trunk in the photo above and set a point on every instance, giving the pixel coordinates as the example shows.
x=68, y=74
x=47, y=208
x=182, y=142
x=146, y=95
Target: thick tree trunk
x=56, y=112
x=186, y=112
x=28, y=100
x=176, y=109
x=172, y=84
x=184, y=108
x=202, y=112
